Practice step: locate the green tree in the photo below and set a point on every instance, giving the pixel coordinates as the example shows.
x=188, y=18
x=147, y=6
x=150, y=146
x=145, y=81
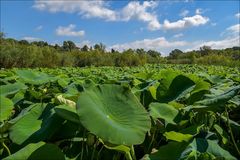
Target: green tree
x=2, y=35
x=23, y=42
x=100, y=47
x=85, y=48
x=154, y=53
x=205, y=50
x=174, y=54
x=69, y=46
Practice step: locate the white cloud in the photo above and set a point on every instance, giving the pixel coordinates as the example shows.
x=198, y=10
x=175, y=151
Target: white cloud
x=135, y=10
x=237, y=15
x=88, y=9
x=231, y=39
x=164, y=46
x=199, y=11
x=235, y=29
x=69, y=31
x=195, y=20
x=160, y=44
x=217, y=44
x=31, y=39
x=184, y=13
x=38, y=28
x=99, y=9
x=178, y=35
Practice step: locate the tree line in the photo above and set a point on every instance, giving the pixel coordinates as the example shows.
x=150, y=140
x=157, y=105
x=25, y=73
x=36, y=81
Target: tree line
x=21, y=53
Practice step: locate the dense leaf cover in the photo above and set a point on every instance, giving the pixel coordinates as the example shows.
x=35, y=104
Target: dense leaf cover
x=151, y=112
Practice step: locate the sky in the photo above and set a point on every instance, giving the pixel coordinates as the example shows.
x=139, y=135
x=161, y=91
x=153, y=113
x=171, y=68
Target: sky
x=158, y=25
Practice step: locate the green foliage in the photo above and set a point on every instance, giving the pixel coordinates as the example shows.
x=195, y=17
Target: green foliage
x=117, y=110
x=24, y=54
x=208, y=56
x=149, y=112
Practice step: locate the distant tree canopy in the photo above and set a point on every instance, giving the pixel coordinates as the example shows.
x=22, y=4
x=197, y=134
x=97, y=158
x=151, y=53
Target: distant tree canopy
x=174, y=54
x=100, y=47
x=85, y=48
x=205, y=50
x=206, y=55
x=22, y=53
x=69, y=46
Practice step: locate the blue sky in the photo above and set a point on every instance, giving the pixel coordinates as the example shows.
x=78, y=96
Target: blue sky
x=160, y=25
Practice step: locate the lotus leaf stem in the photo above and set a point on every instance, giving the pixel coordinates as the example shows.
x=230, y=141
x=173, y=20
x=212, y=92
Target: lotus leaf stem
x=231, y=133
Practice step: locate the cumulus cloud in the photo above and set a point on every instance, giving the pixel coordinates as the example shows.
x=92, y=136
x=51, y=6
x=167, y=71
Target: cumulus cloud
x=31, y=39
x=160, y=44
x=184, y=13
x=186, y=22
x=237, y=15
x=69, y=31
x=135, y=10
x=88, y=9
x=100, y=9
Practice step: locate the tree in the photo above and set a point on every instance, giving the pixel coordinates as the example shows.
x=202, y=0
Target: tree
x=205, y=50
x=57, y=47
x=154, y=53
x=85, y=48
x=2, y=35
x=100, y=47
x=140, y=51
x=24, y=42
x=113, y=50
x=69, y=46
x=174, y=54
x=40, y=43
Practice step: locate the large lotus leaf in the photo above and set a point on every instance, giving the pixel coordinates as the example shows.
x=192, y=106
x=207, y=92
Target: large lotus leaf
x=27, y=125
x=201, y=145
x=198, y=91
x=197, y=147
x=6, y=106
x=47, y=152
x=163, y=111
x=38, y=151
x=39, y=123
x=34, y=77
x=67, y=112
x=10, y=89
x=113, y=113
x=171, y=151
x=25, y=152
x=219, y=99
x=18, y=97
x=68, y=130
x=174, y=87
x=146, y=92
